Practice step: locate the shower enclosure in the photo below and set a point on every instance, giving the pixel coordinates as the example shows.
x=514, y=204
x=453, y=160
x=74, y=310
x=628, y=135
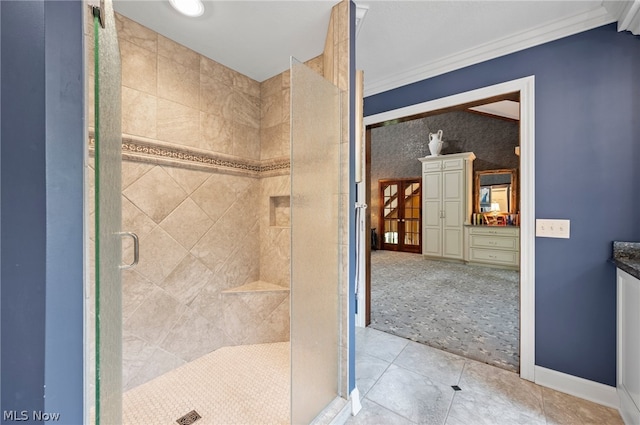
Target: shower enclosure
x=315, y=182
x=315, y=242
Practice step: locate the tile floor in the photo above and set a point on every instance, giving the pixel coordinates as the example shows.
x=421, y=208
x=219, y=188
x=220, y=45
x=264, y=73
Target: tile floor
x=404, y=382
x=246, y=384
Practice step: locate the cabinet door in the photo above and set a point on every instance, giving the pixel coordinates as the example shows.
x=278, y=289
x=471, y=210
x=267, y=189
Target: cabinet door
x=629, y=345
x=452, y=199
x=431, y=214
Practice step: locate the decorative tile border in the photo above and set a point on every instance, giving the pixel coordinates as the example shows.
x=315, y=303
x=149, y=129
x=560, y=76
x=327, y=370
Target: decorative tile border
x=156, y=152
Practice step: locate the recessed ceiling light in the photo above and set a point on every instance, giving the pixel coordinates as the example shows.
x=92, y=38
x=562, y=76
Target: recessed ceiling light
x=191, y=8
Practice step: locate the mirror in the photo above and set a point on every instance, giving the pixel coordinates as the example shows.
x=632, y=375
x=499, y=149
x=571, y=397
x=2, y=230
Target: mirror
x=496, y=191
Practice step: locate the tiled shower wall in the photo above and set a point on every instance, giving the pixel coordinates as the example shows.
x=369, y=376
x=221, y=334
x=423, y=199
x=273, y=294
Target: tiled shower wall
x=201, y=231
x=275, y=136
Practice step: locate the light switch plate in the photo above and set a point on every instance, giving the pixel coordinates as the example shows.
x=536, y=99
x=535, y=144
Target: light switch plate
x=553, y=228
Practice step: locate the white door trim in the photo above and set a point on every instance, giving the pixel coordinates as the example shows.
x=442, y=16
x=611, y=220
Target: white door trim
x=526, y=87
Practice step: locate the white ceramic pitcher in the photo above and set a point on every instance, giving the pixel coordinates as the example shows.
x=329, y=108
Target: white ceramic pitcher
x=435, y=143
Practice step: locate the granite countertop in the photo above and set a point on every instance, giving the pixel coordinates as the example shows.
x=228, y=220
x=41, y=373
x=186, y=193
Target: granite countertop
x=626, y=256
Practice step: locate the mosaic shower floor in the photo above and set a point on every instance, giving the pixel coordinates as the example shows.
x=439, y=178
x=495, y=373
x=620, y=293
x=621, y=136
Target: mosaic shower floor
x=247, y=384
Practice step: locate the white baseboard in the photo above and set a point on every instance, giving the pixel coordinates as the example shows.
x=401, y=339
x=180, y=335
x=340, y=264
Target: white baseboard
x=355, y=401
x=579, y=387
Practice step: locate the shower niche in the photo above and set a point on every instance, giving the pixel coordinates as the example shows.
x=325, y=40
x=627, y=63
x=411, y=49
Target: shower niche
x=280, y=211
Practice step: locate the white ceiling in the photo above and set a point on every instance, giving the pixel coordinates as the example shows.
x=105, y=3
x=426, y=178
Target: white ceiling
x=398, y=42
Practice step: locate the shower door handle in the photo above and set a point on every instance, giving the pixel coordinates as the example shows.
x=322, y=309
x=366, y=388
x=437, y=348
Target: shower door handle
x=136, y=250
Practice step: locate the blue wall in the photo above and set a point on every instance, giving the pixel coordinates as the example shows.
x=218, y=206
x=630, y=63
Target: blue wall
x=23, y=206
x=587, y=95
x=42, y=148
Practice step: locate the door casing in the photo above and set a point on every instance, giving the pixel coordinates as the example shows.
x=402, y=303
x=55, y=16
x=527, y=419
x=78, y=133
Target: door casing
x=526, y=87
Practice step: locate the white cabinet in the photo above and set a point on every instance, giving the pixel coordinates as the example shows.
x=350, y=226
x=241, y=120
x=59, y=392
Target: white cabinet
x=446, y=203
x=493, y=245
x=629, y=347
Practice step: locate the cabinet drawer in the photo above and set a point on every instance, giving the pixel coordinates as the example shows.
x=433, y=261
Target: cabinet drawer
x=452, y=164
x=431, y=166
x=480, y=241
x=495, y=230
x=509, y=258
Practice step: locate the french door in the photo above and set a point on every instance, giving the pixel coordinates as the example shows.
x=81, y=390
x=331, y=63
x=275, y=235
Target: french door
x=400, y=213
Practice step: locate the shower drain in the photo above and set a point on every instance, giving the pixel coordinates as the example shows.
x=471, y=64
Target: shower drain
x=189, y=418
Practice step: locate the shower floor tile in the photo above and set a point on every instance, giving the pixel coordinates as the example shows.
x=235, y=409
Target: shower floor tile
x=247, y=384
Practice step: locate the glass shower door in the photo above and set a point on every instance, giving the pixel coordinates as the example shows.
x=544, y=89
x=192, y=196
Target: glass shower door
x=315, y=243
x=108, y=157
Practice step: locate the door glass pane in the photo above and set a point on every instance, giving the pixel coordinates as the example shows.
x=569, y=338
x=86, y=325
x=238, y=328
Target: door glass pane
x=108, y=154
x=315, y=243
x=412, y=214
x=390, y=212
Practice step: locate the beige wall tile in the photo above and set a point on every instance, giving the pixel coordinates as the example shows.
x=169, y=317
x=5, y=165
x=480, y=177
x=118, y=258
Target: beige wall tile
x=152, y=320
x=217, y=71
x=243, y=265
x=159, y=255
x=216, y=97
x=316, y=64
x=178, y=83
x=217, y=194
x=187, y=280
x=274, y=142
x=275, y=328
x=189, y=180
x=286, y=79
x=271, y=86
x=246, y=85
x=187, y=223
x=178, y=53
x=246, y=141
x=134, y=220
x=343, y=65
x=271, y=110
x=132, y=171
x=217, y=245
x=275, y=256
x=343, y=22
x=216, y=133
x=135, y=33
x=135, y=355
x=178, y=123
x=208, y=303
x=159, y=363
x=135, y=289
x=246, y=109
x=194, y=336
x=156, y=194
x=139, y=68
x=138, y=113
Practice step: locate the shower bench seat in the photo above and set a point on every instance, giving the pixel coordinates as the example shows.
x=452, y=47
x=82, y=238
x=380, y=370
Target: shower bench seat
x=257, y=312
x=257, y=286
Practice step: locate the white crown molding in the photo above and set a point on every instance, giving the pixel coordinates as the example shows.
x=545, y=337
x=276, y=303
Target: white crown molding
x=626, y=12
x=513, y=43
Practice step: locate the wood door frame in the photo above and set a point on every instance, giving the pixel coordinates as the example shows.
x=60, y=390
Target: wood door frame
x=401, y=182
x=526, y=88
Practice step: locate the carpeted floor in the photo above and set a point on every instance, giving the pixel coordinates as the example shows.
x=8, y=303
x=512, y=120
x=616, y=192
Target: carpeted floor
x=468, y=310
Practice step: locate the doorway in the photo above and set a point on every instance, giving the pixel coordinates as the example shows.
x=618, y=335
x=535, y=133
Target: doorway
x=400, y=213
x=525, y=88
